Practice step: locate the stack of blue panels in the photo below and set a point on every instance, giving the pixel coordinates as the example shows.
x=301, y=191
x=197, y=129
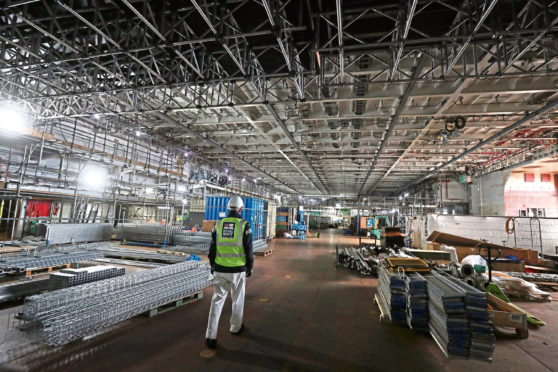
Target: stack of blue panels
x=448, y=322
x=391, y=288
x=417, y=302
x=253, y=212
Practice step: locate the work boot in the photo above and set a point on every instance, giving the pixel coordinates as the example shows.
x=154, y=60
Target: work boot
x=211, y=343
x=239, y=330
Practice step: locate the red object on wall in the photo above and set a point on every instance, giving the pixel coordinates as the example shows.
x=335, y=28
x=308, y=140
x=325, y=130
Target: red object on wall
x=529, y=177
x=545, y=177
x=38, y=208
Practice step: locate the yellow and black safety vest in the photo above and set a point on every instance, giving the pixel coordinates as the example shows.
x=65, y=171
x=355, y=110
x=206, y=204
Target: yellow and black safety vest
x=230, y=247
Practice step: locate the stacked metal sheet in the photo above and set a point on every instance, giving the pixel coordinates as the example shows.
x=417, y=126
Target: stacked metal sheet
x=459, y=320
x=62, y=233
x=481, y=328
x=417, y=302
x=391, y=290
x=70, y=277
x=145, y=232
x=23, y=263
x=68, y=314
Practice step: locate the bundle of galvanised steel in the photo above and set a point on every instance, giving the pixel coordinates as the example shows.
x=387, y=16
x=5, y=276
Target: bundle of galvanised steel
x=259, y=245
x=147, y=232
x=68, y=314
x=353, y=259
x=41, y=260
x=119, y=252
x=481, y=328
x=70, y=277
x=448, y=321
x=391, y=290
x=417, y=302
x=62, y=233
x=186, y=238
x=459, y=319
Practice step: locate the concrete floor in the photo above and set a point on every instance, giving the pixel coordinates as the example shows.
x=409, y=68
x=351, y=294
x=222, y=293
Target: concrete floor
x=317, y=318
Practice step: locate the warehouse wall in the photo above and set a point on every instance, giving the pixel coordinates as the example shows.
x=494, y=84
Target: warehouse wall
x=521, y=195
x=487, y=194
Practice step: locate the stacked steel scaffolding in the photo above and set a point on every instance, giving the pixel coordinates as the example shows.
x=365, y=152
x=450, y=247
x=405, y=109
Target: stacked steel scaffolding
x=23, y=263
x=71, y=313
x=70, y=277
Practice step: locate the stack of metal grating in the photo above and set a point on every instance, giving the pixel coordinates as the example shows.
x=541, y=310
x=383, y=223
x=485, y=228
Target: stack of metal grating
x=459, y=317
x=391, y=290
x=70, y=277
x=68, y=314
x=119, y=252
x=42, y=260
x=63, y=233
x=417, y=302
x=147, y=233
x=193, y=242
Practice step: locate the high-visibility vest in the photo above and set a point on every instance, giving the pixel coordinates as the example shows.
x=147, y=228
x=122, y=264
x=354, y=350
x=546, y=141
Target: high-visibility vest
x=230, y=247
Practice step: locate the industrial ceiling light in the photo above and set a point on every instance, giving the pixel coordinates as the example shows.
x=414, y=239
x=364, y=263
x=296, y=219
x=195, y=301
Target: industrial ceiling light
x=243, y=179
x=11, y=121
x=149, y=191
x=94, y=178
x=184, y=201
x=181, y=188
x=138, y=133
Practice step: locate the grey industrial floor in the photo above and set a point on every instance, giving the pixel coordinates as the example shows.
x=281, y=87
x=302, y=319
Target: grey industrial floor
x=301, y=313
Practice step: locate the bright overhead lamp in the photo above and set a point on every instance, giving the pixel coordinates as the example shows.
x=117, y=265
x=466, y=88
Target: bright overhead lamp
x=243, y=179
x=94, y=178
x=184, y=201
x=11, y=121
x=138, y=133
x=181, y=188
x=149, y=190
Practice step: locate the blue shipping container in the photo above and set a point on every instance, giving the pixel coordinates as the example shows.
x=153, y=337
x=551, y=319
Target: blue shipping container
x=253, y=212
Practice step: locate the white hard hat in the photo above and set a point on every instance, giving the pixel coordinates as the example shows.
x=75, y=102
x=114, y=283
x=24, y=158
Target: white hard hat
x=235, y=203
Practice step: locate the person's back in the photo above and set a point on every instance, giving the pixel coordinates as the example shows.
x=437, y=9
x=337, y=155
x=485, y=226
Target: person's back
x=231, y=259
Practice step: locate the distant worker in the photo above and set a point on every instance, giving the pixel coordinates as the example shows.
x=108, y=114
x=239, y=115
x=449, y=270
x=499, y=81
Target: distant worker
x=231, y=258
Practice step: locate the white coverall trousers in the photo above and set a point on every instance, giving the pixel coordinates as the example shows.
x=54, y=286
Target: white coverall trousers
x=221, y=285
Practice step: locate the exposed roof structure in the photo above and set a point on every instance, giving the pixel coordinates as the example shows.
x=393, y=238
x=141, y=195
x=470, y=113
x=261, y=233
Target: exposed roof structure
x=315, y=97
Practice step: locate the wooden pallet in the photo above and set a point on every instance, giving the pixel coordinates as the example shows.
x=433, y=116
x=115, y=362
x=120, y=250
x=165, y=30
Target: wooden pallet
x=36, y=270
x=264, y=252
x=175, y=304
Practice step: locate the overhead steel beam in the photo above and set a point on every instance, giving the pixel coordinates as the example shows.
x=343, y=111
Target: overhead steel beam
x=165, y=117
x=402, y=103
x=482, y=143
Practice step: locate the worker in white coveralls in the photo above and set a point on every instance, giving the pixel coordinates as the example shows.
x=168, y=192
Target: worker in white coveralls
x=231, y=258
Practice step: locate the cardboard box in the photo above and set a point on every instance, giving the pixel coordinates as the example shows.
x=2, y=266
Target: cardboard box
x=433, y=246
x=207, y=226
x=509, y=266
